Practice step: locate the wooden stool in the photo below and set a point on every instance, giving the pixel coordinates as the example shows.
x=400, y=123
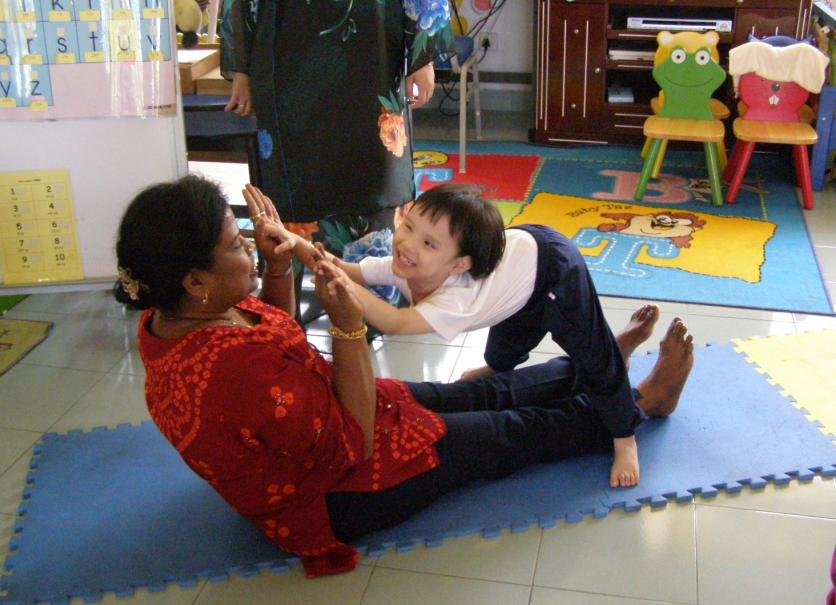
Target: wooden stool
x=224, y=135
x=659, y=131
x=751, y=132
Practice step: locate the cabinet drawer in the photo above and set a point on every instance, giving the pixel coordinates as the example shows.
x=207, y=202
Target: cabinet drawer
x=628, y=119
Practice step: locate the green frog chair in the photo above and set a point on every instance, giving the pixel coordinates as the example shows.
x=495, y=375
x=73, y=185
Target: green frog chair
x=687, y=70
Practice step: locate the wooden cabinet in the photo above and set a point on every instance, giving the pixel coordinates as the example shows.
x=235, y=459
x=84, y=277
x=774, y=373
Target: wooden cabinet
x=762, y=22
x=593, y=73
x=571, y=83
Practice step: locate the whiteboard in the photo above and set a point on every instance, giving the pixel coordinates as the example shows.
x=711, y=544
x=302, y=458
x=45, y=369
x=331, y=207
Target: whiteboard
x=109, y=161
x=110, y=117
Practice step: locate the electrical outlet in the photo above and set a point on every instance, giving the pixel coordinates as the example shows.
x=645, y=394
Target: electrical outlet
x=489, y=38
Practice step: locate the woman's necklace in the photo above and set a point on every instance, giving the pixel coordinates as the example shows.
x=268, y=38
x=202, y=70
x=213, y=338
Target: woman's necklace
x=205, y=318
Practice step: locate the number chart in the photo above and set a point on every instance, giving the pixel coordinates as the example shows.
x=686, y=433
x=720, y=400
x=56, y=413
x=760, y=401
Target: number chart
x=85, y=58
x=38, y=240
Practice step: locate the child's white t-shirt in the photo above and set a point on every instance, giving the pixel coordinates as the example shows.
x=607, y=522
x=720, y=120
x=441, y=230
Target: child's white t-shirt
x=463, y=303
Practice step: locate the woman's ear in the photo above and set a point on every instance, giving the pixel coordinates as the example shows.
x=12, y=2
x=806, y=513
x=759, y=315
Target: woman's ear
x=195, y=284
x=460, y=265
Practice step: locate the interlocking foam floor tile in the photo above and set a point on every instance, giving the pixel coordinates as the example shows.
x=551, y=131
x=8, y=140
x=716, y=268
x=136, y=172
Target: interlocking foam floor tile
x=803, y=366
x=114, y=510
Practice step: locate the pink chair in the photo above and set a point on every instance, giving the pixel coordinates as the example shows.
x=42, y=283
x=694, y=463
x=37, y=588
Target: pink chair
x=774, y=83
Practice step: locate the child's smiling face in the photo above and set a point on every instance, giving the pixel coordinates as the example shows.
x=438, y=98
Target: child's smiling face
x=424, y=252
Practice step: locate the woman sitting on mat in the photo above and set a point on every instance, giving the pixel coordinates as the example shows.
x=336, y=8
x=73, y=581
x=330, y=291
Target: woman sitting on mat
x=317, y=453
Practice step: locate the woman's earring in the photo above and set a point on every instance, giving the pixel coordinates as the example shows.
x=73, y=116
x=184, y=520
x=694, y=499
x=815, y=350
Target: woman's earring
x=205, y=300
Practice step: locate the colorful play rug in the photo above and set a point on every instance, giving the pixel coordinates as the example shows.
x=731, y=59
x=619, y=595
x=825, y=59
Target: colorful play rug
x=17, y=338
x=7, y=302
x=675, y=245
x=113, y=510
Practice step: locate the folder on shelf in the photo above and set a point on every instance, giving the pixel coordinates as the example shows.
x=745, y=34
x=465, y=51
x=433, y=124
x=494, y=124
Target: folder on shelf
x=619, y=94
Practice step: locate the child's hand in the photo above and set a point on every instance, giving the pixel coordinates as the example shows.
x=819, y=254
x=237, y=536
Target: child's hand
x=322, y=258
x=321, y=254
x=335, y=291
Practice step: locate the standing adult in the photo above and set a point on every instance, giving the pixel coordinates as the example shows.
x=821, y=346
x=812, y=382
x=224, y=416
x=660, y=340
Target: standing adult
x=330, y=83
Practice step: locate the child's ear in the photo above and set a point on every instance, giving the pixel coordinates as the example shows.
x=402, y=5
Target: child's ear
x=460, y=265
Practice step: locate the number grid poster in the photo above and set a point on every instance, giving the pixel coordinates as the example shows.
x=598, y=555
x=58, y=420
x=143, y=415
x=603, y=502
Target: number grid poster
x=38, y=240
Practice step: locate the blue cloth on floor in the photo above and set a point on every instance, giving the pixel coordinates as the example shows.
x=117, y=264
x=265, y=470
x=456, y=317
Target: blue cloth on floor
x=113, y=510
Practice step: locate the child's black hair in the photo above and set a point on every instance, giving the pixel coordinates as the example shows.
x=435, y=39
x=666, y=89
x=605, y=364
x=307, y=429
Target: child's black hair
x=475, y=223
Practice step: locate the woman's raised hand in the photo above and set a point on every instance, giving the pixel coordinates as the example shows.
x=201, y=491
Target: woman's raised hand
x=274, y=242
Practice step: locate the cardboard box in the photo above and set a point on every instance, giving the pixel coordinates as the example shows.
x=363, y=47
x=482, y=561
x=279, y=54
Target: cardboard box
x=194, y=63
x=213, y=83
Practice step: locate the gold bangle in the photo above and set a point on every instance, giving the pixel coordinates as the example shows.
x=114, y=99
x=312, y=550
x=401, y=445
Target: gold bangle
x=269, y=273
x=343, y=335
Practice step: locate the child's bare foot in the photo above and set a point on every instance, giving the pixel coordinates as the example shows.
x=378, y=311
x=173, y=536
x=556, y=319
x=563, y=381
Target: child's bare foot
x=476, y=374
x=661, y=389
x=625, y=466
x=637, y=330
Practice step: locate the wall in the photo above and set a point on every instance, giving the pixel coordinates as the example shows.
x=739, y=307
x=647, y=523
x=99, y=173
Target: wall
x=507, y=70
x=514, y=29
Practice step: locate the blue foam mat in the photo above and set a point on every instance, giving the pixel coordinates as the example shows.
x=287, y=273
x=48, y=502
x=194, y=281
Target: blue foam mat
x=114, y=510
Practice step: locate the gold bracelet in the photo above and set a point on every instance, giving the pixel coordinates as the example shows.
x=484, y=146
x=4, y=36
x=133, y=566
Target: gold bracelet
x=269, y=273
x=343, y=335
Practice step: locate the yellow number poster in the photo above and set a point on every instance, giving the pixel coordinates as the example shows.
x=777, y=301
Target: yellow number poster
x=38, y=240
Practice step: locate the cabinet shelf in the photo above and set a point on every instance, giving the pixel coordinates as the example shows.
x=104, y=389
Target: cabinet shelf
x=646, y=35
x=623, y=64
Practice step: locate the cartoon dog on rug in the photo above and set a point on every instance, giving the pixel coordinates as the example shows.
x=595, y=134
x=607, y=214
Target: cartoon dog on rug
x=678, y=227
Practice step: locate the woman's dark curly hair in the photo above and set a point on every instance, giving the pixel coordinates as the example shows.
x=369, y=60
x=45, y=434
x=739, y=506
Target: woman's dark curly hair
x=167, y=230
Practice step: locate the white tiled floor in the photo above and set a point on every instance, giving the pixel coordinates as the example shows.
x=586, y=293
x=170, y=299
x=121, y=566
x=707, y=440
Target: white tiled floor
x=769, y=547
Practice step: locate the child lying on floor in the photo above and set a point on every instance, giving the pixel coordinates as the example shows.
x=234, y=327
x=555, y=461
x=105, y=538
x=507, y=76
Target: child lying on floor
x=460, y=270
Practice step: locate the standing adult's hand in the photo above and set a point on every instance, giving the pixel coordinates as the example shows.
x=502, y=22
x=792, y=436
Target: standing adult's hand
x=240, y=101
x=420, y=86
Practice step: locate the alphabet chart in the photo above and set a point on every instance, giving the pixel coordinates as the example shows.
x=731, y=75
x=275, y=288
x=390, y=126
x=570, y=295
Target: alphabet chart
x=85, y=58
x=38, y=241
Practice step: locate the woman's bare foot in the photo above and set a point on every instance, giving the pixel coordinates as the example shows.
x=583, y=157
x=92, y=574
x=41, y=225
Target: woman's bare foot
x=625, y=466
x=476, y=374
x=661, y=389
x=637, y=330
